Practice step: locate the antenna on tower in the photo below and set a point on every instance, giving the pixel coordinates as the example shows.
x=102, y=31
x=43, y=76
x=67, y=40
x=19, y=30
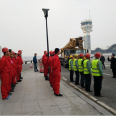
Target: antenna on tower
x=89, y=15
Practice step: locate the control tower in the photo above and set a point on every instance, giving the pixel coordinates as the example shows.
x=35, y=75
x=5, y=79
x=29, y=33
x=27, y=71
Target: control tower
x=86, y=26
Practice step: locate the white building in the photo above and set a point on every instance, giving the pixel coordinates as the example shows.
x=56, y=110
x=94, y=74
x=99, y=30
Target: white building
x=86, y=26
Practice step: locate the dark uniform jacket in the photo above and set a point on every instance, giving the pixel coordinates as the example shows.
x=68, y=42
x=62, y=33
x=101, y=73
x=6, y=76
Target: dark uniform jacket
x=34, y=59
x=102, y=59
x=113, y=63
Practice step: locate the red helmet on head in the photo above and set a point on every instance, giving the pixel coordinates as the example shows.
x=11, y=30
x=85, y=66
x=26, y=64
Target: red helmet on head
x=87, y=55
x=20, y=51
x=51, y=52
x=5, y=50
x=97, y=55
x=45, y=52
x=81, y=55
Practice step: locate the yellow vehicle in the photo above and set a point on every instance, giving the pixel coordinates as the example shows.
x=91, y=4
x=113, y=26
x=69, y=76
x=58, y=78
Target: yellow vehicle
x=74, y=46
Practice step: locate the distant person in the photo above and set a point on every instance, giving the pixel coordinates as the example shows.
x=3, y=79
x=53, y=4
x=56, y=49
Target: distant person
x=113, y=65
x=102, y=59
x=46, y=67
x=97, y=73
x=75, y=68
x=20, y=51
x=71, y=68
x=81, y=69
x=35, y=62
x=43, y=58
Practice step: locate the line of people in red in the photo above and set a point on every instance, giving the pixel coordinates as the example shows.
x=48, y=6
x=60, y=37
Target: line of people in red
x=52, y=67
x=10, y=71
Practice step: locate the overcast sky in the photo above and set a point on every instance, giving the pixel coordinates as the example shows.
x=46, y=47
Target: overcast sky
x=22, y=23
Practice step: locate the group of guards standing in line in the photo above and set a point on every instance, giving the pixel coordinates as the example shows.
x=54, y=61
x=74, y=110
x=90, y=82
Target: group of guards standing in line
x=10, y=71
x=84, y=69
x=52, y=67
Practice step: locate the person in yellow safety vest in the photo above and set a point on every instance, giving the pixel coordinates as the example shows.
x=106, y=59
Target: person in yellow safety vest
x=80, y=67
x=71, y=68
x=97, y=73
x=87, y=72
x=75, y=68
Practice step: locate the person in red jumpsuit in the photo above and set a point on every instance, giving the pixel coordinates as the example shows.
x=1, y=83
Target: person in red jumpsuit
x=43, y=57
x=11, y=87
x=19, y=68
x=46, y=66
x=50, y=67
x=14, y=67
x=20, y=51
x=56, y=70
x=5, y=74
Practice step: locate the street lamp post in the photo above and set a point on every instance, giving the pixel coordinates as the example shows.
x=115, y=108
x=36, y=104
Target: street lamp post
x=46, y=15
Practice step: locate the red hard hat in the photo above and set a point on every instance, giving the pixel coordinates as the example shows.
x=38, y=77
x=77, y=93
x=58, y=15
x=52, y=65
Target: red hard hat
x=51, y=52
x=45, y=52
x=20, y=51
x=5, y=50
x=81, y=55
x=87, y=55
x=97, y=55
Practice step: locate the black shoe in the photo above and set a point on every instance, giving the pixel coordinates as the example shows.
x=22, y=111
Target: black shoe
x=46, y=77
x=54, y=93
x=50, y=85
x=72, y=81
x=9, y=93
x=11, y=90
x=58, y=95
x=19, y=81
x=21, y=77
x=16, y=83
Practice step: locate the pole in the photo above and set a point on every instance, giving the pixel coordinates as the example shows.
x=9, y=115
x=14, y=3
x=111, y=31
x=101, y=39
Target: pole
x=47, y=37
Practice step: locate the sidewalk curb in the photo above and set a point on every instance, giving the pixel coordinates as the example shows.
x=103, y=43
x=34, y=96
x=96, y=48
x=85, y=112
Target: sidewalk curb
x=111, y=110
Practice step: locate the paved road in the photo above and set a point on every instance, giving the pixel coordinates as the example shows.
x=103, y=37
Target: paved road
x=35, y=96
x=108, y=86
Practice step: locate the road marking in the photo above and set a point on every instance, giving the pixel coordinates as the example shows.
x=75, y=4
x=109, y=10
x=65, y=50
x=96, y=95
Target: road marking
x=107, y=74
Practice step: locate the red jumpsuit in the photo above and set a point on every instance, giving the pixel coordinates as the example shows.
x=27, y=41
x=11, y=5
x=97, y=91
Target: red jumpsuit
x=19, y=67
x=46, y=66
x=43, y=62
x=56, y=70
x=11, y=72
x=14, y=67
x=50, y=73
x=5, y=69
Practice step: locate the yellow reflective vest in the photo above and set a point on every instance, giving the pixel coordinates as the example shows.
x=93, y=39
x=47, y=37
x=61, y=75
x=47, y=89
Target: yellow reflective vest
x=95, y=69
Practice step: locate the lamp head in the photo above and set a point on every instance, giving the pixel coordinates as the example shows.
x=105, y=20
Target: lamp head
x=45, y=12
